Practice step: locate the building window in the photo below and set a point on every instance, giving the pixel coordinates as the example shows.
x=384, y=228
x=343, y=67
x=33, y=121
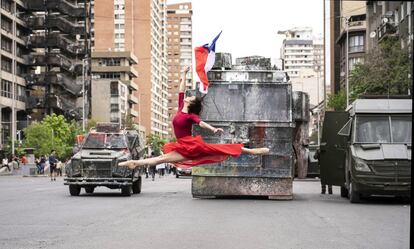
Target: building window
x=20, y=70
x=353, y=61
x=7, y=5
x=6, y=24
x=6, y=44
x=356, y=43
x=6, y=87
x=6, y=64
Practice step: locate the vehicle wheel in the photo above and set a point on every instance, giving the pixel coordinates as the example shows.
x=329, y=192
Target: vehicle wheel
x=354, y=196
x=136, y=186
x=74, y=190
x=126, y=190
x=89, y=189
x=177, y=176
x=344, y=191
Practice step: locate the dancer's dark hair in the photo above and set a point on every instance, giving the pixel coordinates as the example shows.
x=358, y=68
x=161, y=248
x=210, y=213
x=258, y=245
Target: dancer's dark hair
x=196, y=106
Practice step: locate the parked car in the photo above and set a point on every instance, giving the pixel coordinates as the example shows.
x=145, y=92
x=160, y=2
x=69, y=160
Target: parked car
x=179, y=171
x=96, y=162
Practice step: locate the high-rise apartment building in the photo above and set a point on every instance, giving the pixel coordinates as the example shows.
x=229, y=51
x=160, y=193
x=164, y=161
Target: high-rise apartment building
x=43, y=44
x=180, y=54
x=13, y=67
x=138, y=26
x=303, y=60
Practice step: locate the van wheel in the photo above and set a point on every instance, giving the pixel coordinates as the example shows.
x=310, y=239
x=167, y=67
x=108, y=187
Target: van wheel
x=354, y=196
x=126, y=190
x=74, y=190
x=136, y=186
x=89, y=189
x=344, y=192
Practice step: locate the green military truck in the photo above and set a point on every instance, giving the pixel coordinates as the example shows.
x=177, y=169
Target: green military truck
x=367, y=149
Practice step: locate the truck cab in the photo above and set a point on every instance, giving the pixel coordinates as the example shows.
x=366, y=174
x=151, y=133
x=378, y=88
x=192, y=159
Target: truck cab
x=96, y=162
x=372, y=149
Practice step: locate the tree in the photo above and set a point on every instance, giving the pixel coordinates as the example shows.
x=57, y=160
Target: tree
x=53, y=132
x=385, y=71
x=155, y=143
x=337, y=101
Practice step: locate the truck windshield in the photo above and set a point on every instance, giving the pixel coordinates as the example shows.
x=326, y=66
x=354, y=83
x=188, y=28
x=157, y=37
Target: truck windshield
x=105, y=141
x=401, y=129
x=383, y=129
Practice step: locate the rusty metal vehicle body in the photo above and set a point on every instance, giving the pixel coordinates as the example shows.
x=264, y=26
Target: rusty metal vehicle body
x=96, y=162
x=254, y=106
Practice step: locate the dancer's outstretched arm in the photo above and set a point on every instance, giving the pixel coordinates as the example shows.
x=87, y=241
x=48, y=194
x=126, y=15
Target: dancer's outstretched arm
x=183, y=80
x=209, y=127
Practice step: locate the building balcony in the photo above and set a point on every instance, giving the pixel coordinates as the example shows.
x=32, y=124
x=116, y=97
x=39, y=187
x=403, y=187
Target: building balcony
x=386, y=30
x=130, y=84
x=132, y=112
x=357, y=25
x=132, y=99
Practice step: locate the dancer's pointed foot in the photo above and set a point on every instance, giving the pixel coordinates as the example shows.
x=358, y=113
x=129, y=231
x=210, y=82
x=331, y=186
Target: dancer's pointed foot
x=132, y=164
x=260, y=151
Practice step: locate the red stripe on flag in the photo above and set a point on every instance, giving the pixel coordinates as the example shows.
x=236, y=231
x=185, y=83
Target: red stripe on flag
x=201, y=55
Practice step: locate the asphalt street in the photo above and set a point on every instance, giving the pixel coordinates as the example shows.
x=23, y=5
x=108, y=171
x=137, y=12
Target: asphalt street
x=37, y=213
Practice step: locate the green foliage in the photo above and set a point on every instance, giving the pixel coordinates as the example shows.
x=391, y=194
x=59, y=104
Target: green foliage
x=385, y=71
x=53, y=132
x=91, y=123
x=337, y=101
x=155, y=143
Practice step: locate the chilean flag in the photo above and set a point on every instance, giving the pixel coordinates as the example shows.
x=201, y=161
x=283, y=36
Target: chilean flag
x=205, y=57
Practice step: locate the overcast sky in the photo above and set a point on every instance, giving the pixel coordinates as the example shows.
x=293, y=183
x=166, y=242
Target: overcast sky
x=250, y=26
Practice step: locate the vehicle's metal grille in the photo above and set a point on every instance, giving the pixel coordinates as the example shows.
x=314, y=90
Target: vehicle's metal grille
x=400, y=168
x=96, y=168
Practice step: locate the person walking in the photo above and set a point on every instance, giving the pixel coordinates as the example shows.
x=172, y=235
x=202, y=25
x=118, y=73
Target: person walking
x=323, y=185
x=5, y=163
x=189, y=151
x=52, y=164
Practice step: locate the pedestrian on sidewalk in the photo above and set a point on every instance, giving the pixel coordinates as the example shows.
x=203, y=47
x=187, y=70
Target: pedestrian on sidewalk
x=52, y=165
x=5, y=163
x=190, y=151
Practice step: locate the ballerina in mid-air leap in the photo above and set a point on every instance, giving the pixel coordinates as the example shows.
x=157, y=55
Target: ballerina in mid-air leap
x=188, y=150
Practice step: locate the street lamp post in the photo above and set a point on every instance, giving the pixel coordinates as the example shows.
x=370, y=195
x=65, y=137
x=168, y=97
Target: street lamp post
x=83, y=95
x=347, y=65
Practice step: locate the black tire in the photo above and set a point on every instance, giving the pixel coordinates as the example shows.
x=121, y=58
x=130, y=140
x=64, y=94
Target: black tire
x=90, y=189
x=74, y=190
x=354, y=196
x=344, y=192
x=126, y=190
x=136, y=186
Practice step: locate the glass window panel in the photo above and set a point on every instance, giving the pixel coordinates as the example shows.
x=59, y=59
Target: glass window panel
x=373, y=129
x=401, y=129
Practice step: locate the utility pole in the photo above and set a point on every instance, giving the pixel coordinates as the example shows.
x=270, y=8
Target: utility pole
x=347, y=63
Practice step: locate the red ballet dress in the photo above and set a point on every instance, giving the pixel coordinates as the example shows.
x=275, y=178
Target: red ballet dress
x=194, y=148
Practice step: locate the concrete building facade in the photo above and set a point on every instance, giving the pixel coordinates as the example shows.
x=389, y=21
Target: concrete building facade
x=13, y=67
x=139, y=27
x=390, y=19
x=113, y=86
x=303, y=60
x=180, y=53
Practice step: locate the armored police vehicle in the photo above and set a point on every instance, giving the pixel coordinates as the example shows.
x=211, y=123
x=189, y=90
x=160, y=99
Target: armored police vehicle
x=367, y=150
x=96, y=162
